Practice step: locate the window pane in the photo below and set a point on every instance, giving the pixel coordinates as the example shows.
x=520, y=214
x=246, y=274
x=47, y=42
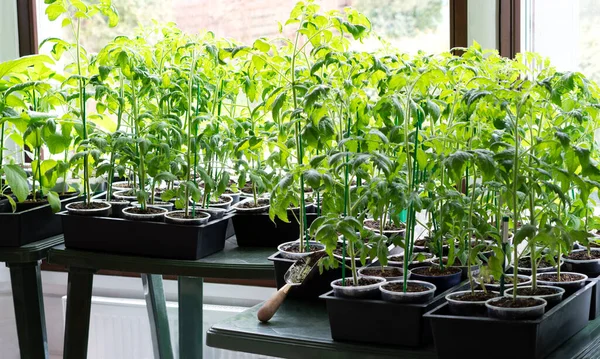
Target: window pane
x=566, y=31
x=409, y=25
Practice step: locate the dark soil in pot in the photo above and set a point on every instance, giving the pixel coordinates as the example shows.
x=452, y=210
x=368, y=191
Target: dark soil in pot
x=295, y=248
x=373, y=224
x=515, y=309
x=419, y=259
x=179, y=217
x=469, y=303
x=292, y=250
x=94, y=208
x=494, y=285
x=581, y=262
x=425, y=245
x=442, y=279
x=250, y=204
x=543, y=266
x=457, y=264
x=29, y=203
x=152, y=214
x=388, y=273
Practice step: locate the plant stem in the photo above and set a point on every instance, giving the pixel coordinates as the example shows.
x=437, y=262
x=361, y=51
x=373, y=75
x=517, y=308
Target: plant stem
x=82, y=109
x=515, y=204
x=188, y=120
x=111, y=170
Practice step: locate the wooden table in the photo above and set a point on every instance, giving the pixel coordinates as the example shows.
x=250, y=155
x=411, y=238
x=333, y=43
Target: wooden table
x=231, y=263
x=25, y=278
x=300, y=330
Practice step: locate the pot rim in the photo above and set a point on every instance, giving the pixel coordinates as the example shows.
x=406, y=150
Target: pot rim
x=426, y=260
x=559, y=291
x=205, y=215
x=515, y=310
x=89, y=210
x=393, y=231
x=456, y=301
x=437, y=276
x=581, y=261
x=279, y=247
x=254, y=209
x=149, y=215
x=431, y=288
x=529, y=280
x=583, y=278
x=380, y=280
x=230, y=199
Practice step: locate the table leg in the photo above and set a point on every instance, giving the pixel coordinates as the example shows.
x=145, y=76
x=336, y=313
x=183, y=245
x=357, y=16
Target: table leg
x=28, y=299
x=191, y=330
x=157, y=313
x=79, y=302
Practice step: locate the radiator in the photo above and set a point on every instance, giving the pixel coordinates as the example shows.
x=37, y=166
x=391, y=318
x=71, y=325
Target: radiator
x=119, y=329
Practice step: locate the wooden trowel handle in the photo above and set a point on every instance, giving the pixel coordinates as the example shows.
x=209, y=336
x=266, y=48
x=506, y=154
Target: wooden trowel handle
x=270, y=307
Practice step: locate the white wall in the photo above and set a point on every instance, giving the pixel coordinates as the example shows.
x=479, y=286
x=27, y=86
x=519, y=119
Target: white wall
x=9, y=37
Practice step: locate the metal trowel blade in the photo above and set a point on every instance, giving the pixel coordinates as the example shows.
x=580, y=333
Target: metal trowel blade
x=302, y=269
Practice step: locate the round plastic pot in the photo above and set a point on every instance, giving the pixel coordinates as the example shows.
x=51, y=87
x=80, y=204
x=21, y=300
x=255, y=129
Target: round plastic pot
x=294, y=255
x=551, y=299
x=467, y=308
x=95, y=212
x=215, y=213
x=151, y=217
x=201, y=218
x=235, y=197
x=225, y=205
x=384, y=269
x=117, y=207
x=120, y=195
x=464, y=269
x=527, y=270
x=515, y=313
x=386, y=232
x=260, y=209
x=121, y=185
x=414, y=264
x=361, y=292
x=166, y=205
x=496, y=286
x=408, y=297
x=586, y=266
x=442, y=283
x=569, y=287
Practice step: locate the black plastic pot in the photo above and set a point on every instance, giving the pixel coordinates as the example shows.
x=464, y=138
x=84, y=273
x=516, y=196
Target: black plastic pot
x=442, y=283
x=387, y=323
x=526, y=338
x=31, y=225
x=313, y=286
x=590, y=267
x=149, y=239
x=257, y=229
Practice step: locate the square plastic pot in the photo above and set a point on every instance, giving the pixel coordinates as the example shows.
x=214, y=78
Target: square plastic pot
x=375, y=321
x=313, y=287
x=495, y=338
x=257, y=229
x=141, y=238
x=30, y=225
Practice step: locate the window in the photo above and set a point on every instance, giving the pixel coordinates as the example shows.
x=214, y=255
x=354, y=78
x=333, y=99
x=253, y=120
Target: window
x=566, y=31
x=409, y=25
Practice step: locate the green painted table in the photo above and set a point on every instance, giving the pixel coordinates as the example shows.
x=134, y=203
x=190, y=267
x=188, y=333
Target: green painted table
x=25, y=278
x=232, y=263
x=301, y=330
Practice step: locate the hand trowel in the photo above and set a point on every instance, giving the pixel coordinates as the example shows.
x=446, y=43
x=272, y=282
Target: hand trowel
x=297, y=274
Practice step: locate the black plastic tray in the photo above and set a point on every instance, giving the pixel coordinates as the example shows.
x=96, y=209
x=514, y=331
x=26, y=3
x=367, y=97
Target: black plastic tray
x=148, y=239
x=312, y=287
x=257, y=230
x=502, y=339
x=595, y=303
x=30, y=225
x=384, y=322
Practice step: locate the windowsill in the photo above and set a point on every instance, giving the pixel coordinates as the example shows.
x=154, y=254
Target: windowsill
x=249, y=282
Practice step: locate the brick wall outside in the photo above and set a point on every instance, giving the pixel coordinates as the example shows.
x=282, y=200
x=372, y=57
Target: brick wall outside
x=243, y=20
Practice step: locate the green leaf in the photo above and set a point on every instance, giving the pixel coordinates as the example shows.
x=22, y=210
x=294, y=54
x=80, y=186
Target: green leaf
x=313, y=178
x=54, y=201
x=526, y=231
x=22, y=63
x=17, y=180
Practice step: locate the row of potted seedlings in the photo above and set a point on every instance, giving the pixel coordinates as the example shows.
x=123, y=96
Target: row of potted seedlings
x=481, y=164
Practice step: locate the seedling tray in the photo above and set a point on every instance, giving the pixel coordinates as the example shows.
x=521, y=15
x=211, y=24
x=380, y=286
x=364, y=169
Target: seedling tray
x=375, y=321
x=595, y=302
x=141, y=238
x=495, y=338
x=312, y=287
x=257, y=229
x=30, y=225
